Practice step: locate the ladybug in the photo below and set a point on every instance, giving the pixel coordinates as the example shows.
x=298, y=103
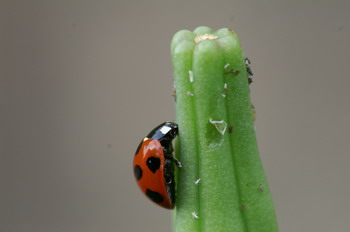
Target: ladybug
x=154, y=165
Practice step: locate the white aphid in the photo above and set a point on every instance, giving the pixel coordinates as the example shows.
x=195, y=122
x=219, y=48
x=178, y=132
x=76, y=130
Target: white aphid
x=190, y=73
x=219, y=125
x=195, y=215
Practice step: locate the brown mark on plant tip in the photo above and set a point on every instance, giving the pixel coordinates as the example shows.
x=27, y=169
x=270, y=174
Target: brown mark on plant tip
x=206, y=36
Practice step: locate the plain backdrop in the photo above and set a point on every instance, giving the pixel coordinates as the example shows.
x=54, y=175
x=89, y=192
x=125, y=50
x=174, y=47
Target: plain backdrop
x=83, y=81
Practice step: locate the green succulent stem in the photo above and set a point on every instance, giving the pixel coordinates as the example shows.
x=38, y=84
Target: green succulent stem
x=222, y=186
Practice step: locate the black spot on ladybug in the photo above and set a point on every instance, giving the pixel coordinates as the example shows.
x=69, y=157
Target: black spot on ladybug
x=138, y=148
x=153, y=164
x=138, y=172
x=155, y=196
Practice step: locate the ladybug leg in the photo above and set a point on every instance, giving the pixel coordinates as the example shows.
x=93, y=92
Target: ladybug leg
x=168, y=153
x=176, y=161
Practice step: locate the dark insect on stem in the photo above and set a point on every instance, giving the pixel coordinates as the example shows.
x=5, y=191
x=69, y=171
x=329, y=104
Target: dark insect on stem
x=249, y=70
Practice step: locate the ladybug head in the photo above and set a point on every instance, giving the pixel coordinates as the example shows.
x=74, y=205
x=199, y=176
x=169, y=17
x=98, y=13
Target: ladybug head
x=166, y=131
x=173, y=129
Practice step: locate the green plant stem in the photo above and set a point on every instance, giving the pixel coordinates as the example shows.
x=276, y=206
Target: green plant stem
x=222, y=186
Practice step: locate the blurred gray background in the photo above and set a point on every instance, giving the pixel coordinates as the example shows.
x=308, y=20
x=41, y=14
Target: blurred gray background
x=83, y=81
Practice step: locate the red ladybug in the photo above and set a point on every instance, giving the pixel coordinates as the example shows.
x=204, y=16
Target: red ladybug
x=154, y=165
